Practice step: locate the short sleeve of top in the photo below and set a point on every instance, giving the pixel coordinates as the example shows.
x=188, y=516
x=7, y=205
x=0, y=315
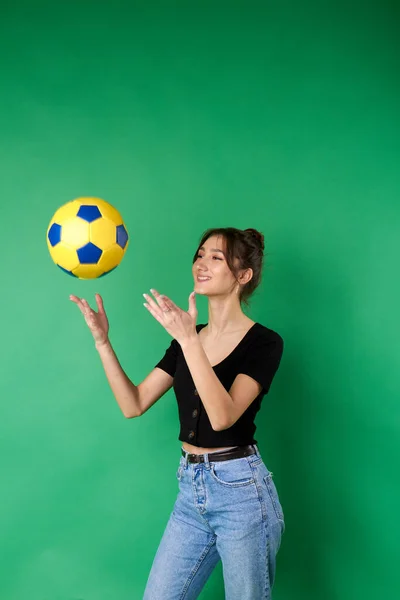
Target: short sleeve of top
x=262, y=359
x=168, y=361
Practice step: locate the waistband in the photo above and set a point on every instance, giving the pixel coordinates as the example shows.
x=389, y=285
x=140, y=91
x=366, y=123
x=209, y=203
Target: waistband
x=236, y=452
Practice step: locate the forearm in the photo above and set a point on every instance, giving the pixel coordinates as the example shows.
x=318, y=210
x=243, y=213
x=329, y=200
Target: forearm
x=125, y=392
x=216, y=400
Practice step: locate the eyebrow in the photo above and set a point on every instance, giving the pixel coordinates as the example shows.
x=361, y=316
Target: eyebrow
x=212, y=249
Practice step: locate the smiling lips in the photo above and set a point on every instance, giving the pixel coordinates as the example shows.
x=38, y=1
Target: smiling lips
x=202, y=279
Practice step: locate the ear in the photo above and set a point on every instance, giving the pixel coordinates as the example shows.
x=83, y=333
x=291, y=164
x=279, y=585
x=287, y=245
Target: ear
x=245, y=276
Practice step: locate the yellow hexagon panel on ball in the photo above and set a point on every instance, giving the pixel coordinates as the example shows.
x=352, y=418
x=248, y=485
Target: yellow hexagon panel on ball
x=87, y=238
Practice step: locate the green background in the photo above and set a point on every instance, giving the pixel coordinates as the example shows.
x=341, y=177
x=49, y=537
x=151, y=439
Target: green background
x=282, y=116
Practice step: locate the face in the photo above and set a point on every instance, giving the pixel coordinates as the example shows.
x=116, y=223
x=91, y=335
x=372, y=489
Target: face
x=212, y=276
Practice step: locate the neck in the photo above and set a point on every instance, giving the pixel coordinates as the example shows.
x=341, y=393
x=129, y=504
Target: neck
x=225, y=315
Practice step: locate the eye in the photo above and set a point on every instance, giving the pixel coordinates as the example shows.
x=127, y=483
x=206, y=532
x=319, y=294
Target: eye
x=216, y=257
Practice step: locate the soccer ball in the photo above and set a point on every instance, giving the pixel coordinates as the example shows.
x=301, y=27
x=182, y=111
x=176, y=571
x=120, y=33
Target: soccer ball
x=87, y=238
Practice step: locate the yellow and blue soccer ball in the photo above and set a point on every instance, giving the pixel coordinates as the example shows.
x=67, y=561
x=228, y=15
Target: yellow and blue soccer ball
x=87, y=238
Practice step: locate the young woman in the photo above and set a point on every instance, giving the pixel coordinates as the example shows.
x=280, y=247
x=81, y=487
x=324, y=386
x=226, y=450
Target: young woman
x=227, y=507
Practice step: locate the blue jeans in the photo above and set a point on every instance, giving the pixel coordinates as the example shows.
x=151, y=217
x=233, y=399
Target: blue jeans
x=225, y=510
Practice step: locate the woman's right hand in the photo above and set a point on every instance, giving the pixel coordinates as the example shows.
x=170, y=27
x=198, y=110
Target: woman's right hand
x=96, y=321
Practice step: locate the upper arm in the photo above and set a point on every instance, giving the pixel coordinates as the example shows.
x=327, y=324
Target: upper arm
x=156, y=384
x=255, y=376
x=159, y=380
x=243, y=391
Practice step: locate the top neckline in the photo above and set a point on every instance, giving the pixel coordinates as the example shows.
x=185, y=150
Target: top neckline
x=237, y=345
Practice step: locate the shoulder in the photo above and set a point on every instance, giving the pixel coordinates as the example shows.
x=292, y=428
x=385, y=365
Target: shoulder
x=262, y=337
x=263, y=333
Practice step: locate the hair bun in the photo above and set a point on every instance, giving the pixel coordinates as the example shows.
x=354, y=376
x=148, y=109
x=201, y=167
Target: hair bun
x=257, y=235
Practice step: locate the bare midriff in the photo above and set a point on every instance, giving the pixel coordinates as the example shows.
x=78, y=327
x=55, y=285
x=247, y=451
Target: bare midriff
x=198, y=450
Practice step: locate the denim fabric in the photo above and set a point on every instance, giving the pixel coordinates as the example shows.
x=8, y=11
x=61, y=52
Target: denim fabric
x=225, y=510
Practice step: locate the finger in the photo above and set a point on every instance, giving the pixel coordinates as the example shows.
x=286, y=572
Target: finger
x=78, y=301
x=88, y=309
x=152, y=303
x=168, y=305
x=159, y=298
x=74, y=299
x=168, y=302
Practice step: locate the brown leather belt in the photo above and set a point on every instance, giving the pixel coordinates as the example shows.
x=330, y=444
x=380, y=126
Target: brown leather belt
x=238, y=452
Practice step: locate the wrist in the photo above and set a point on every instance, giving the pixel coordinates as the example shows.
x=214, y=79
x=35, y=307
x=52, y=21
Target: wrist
x=102, y=345
x=190, y=341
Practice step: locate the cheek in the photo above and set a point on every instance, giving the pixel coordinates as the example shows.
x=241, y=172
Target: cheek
x=225, y=272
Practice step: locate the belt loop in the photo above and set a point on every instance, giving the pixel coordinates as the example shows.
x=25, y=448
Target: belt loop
x=206, y=462
x=257, y=450
x=185, y=457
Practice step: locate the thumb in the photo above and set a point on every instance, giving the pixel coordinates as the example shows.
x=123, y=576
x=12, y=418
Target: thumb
x=192, y=305
x=100, y=305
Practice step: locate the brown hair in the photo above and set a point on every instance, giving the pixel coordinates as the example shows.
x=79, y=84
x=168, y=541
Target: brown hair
x=246, y=245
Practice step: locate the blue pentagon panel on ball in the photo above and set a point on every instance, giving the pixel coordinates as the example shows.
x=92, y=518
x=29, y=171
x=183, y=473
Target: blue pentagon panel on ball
x=89, y=213
x=54, y=234
x=89, y=254
x=122, y=236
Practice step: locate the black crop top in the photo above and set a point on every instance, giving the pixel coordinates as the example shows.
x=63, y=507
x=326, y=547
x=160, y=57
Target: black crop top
x=258, y=355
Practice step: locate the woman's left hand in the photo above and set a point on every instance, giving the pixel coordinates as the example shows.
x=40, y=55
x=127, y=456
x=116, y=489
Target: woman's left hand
x=180, y=324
